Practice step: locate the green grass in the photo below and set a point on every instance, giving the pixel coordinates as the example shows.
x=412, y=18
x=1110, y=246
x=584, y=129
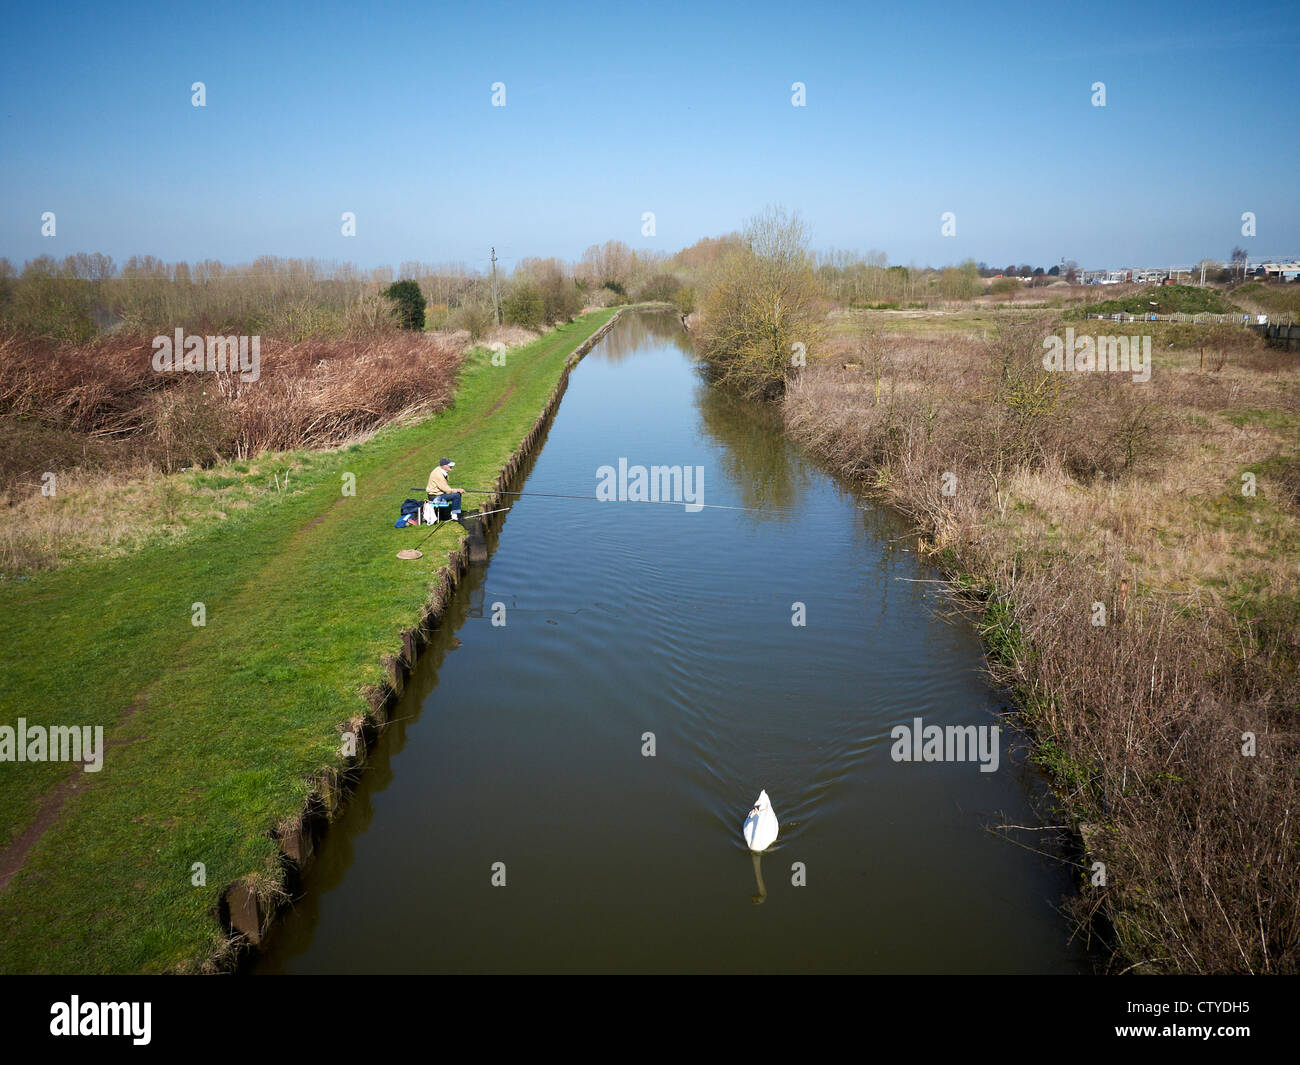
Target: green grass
x=1274, y=298
x=1169, y=299
x=1278, y=420
x=216, y=733
x=1167, y=336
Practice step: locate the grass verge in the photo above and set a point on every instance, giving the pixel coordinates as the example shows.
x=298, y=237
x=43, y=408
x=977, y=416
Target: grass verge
x=215, y=734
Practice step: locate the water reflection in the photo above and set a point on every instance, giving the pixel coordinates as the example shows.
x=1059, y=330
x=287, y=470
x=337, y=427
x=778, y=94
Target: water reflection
x=761, y=896
x=639, y=330
x=756, y=458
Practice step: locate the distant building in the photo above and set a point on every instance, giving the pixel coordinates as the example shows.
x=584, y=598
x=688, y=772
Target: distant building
x=1274, y=269
x=1280, y=270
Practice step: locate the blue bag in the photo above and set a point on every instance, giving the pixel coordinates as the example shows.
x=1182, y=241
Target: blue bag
x=410, y=514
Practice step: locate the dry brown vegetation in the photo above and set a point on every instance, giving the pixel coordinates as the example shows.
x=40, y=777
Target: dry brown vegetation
x=74, y=399
x=1079, y=489
x=102, y=419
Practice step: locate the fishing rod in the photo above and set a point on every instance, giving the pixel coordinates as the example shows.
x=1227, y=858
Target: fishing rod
x=435, y=529
x=414, y=552
x=466, y=517
x=564, y=495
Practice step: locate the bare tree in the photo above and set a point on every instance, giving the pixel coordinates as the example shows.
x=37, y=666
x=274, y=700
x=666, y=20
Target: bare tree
x=761, y=317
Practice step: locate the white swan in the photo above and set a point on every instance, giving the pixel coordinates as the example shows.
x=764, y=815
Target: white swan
x=760, y=825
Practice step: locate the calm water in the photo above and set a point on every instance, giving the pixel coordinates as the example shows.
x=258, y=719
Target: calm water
x=522, y=744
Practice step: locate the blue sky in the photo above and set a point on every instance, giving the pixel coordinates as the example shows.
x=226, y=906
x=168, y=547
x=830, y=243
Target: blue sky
x=613, y=110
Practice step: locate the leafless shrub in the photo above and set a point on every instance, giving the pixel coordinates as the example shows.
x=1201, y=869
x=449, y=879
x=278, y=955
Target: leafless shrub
x=106, y=398
x=1060, y=482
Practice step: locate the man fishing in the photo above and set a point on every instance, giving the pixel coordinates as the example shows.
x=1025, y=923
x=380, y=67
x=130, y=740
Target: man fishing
x=441, y=491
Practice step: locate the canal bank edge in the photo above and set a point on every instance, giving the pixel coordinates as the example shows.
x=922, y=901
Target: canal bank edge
x=250, y=906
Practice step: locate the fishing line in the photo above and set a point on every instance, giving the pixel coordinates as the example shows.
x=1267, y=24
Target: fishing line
x=662, y=502
x=414, y=552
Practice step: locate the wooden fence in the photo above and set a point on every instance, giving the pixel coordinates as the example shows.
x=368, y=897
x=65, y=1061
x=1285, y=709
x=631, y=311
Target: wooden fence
x=1241, y=318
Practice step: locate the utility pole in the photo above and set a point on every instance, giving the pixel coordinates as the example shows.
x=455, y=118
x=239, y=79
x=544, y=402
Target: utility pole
x=496, y=303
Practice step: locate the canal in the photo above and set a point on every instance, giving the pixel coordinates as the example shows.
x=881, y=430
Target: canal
x=565, y=782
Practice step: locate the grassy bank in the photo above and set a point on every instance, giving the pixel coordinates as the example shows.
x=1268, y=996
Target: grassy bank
x=100, y=425
x=216, y=733
x=1272, y=298
x=1133, y=547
